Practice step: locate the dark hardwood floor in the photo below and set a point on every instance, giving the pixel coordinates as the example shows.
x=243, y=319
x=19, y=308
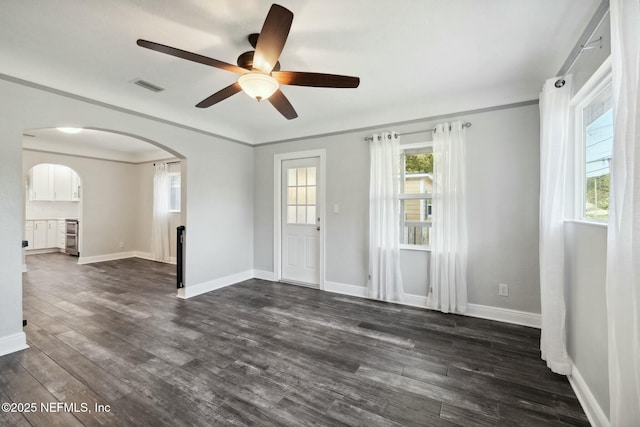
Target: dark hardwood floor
x=262, y=353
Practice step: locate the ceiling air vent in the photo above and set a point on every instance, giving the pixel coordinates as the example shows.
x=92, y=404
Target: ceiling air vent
x=147, y=85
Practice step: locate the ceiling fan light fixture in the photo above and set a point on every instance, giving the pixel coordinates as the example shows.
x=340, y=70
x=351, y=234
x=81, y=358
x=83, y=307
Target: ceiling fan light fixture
x=69, y=130
x=258, y=85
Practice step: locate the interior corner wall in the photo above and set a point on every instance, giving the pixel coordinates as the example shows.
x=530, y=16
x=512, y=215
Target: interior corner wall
x=503, y=186
x=219, y=209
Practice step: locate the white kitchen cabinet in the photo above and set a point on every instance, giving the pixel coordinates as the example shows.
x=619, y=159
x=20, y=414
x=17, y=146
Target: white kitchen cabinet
x=28, y=233
x=52, y=233
x=39, y=234
x=57, y=183
x=62, y=229
x=75, y=186
x=41, y=180
x=62, y=183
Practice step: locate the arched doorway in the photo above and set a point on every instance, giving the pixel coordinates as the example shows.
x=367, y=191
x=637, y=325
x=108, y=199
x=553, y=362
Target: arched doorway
x=53, y=210
x=115, y=200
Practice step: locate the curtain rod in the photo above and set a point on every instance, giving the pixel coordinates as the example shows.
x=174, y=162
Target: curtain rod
x=170, y=163
x=584, y=42
x=464, y=125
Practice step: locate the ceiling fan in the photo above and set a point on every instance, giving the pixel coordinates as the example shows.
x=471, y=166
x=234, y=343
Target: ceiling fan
x=260, y=75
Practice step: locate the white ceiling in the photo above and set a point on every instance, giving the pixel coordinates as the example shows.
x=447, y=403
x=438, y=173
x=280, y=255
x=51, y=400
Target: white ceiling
x=415, y=58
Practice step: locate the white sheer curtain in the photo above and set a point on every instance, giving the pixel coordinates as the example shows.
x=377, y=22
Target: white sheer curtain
x=554, y=143
x=160, y=221
x=384, y=218
x=623, y=241
x=449, y=216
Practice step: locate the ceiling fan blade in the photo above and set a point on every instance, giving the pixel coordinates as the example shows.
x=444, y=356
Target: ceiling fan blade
x=298, y=78
x=220, y=96
x=272, y=38
x=283, y=105
x=190, y=56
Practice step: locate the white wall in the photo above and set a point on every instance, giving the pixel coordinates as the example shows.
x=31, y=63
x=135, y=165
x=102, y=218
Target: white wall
x=503, y=171
x=219, y=210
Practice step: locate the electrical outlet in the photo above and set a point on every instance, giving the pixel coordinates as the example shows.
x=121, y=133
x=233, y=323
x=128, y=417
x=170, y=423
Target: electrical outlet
x=121, y=244
x=503, y=289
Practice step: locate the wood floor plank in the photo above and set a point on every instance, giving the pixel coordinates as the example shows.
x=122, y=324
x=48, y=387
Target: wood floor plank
x=52, y=376
x=264, y=353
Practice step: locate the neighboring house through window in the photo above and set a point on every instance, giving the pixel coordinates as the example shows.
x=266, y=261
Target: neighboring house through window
x=416, y=180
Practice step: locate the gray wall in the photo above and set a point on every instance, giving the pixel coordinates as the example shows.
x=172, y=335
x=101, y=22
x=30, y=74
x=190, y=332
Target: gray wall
x=586, y=254
x=503, y=186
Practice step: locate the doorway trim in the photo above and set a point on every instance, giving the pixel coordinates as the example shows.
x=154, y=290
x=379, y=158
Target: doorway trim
x=277, y=208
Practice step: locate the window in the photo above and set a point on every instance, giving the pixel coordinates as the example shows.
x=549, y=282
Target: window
x=416, y=180
x=174, y=191
x=595, y=119
x=301, y=195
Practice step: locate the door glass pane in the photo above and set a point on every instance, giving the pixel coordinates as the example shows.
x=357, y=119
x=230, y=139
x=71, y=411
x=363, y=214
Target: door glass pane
x=291, y=198
x=291, y=214
x=302, y=214
x=311, y=176
x=291, y=182
x=302, y=176
x=311, y=195
x=302, y=195
x=311, y=214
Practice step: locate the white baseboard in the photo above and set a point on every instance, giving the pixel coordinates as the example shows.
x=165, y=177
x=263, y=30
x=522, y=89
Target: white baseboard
x=504, y=315
x=342, y=288
x=28, y=252
x=415, y=301
x=13, y=343
x=190, y=291
x=148, y=256
x=264, y=275
x=473, y=310
x=120, y=255
x=106, y=257
x=590, y=405
x=361, y=292
x=24, y=268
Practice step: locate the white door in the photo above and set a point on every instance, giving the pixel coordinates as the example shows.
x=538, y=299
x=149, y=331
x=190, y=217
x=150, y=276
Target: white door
x=300, y=221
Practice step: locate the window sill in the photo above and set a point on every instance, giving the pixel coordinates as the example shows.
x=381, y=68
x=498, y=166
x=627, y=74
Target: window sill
x=599, y=224
x=415, y=248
